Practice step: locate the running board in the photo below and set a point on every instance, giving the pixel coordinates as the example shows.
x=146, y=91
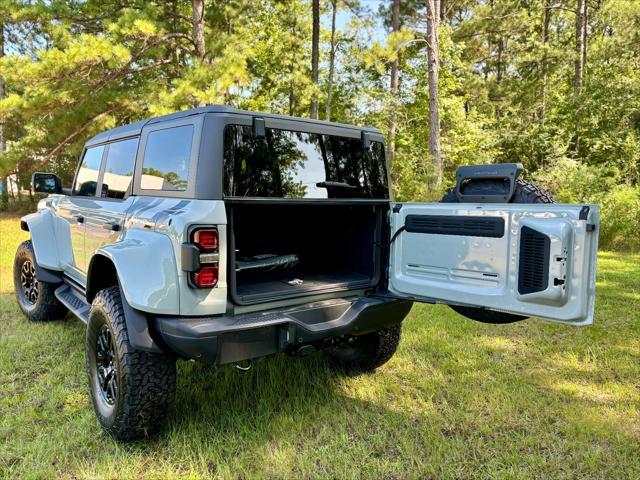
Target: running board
x=72, y=299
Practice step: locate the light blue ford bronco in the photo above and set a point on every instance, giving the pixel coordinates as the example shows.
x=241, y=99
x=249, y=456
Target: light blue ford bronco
x=223, y=236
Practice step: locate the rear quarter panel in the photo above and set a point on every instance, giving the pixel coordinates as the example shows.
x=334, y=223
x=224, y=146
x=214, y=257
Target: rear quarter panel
x=170, y=219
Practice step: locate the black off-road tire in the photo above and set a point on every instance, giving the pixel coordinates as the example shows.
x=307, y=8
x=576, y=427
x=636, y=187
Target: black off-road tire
x=145, y=382
x=367, y=352
x=525, y=192
x=36, y=299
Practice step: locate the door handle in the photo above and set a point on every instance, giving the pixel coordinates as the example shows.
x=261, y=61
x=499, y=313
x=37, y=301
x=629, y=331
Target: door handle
x=111, y=226
x=80, y=219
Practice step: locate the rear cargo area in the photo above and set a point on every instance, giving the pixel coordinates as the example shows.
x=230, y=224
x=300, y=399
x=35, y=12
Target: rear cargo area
x=282, y=250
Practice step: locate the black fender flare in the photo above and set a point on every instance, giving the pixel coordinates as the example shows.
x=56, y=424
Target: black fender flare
x=138, y=322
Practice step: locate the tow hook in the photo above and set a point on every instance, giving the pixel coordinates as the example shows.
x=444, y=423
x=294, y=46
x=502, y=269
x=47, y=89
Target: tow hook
x=244, y=366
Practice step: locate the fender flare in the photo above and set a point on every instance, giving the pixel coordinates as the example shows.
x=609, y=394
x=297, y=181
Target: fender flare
x=138, y=329
x=102, y=274
x=47, y=231
x=147, y=271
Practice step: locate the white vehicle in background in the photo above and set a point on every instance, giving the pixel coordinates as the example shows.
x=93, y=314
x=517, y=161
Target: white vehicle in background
x=224, y=236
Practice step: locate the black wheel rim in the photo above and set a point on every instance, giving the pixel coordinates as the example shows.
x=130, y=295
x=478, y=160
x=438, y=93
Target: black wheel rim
x=28, y=282
x=106, y=368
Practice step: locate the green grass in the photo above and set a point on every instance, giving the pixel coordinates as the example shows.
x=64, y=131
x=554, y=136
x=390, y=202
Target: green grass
x=459, y=400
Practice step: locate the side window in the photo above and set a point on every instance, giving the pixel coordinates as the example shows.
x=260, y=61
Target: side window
x=166, y=159
x=87, y=176
x=118, y=172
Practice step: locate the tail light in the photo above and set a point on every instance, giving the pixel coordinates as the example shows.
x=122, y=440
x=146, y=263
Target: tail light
x=206, y=277
x=206, y=241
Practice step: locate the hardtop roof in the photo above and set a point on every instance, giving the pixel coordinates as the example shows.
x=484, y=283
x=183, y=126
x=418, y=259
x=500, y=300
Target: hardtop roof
x=134, y=129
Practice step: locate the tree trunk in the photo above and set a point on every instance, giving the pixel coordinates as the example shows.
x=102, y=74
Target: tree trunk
x=433, y=57
x=315, y=56
x=198, y=35
x=499, y=75
x=198, y=29
x=581, y=44
x=395, y=76
x=292, y=95
x=584, y=38
x=545, y=62
x=332, y=59
x=4, y=195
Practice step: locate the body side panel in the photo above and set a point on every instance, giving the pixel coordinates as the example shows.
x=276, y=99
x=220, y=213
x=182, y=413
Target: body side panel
x=103, y=212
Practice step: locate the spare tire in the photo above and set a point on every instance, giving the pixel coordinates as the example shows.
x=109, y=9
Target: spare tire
x=525, y=192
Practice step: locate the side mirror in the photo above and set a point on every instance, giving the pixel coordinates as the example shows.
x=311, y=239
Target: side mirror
x=46, y=183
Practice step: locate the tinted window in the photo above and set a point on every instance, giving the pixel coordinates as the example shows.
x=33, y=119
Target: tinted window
x=166, y=159
x=87, y=177
x=118, y=171
x=301, y=165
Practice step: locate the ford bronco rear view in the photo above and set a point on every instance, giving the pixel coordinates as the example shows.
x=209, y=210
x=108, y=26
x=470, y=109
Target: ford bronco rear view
x=224, y=236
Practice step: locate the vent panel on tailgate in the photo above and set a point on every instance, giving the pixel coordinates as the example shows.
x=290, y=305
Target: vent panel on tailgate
x=533, y=271
x=466, y=226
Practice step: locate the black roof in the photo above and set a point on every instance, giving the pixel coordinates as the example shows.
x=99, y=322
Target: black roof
x=134, y=129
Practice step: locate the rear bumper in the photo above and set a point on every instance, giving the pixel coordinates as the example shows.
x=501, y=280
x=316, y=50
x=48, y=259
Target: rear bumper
x=227, y=339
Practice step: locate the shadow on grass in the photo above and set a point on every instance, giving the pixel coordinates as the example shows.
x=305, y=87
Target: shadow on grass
x=232, y=402
x=456, y=393
x=283, y=407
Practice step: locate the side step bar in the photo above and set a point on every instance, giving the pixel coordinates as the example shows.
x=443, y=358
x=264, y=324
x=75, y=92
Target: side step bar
x=71, y=299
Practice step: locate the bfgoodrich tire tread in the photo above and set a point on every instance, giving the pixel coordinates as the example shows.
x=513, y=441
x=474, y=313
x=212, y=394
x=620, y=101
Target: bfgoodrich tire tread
x=147, y=381
x=47, y=307
x=368, y=352
x=525, y=192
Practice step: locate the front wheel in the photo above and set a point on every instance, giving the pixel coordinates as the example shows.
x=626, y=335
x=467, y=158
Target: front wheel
x=365, y=353
x=36, y=299
x=131, y=390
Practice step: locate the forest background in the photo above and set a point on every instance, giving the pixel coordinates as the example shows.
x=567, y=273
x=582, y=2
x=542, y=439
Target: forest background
x=553, y=84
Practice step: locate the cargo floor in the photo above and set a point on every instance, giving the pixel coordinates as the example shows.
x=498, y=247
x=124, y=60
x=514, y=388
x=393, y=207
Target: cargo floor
x=287, y=284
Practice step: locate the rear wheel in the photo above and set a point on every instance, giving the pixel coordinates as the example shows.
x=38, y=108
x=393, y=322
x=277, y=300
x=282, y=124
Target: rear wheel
x=525, y=192
x=36, y=299
x=131, y=390
x=365, y=353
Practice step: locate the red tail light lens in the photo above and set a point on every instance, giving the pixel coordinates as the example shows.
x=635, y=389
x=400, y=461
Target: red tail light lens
x=206, y=277
x=206, y=239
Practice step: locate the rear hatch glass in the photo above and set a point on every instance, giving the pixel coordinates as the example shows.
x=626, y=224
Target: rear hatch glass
x=290, y=164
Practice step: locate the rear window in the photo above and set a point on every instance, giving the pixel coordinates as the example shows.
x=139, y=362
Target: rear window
x=166, y=159
x=290, y=164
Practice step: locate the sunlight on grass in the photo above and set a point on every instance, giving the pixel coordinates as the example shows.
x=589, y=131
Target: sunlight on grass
x=498, y=344
x=10, y=237
x=459, y=400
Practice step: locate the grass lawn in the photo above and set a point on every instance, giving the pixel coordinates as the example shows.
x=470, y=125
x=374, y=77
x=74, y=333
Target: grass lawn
x=459, y=400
